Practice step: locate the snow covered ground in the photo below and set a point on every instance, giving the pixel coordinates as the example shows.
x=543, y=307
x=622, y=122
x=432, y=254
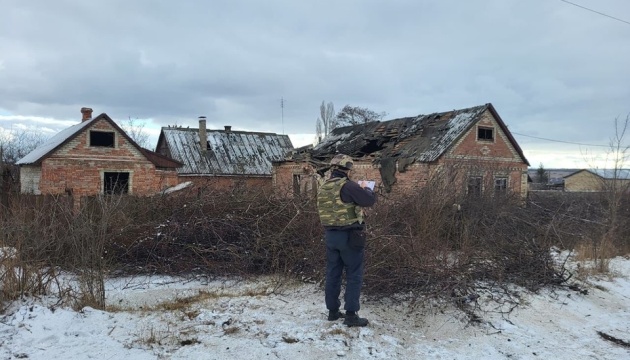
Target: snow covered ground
x=166, y=318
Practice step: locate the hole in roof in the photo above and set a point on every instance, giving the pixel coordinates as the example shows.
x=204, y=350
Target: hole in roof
x=371, y=146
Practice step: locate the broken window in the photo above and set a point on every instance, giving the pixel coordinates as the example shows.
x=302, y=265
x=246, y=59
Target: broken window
x=485, y=133
x=102, y=138
x=500, y=185
x=474, y=185
x=116, y=183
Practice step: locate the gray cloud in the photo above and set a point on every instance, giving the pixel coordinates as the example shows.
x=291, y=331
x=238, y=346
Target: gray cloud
x=552, y=70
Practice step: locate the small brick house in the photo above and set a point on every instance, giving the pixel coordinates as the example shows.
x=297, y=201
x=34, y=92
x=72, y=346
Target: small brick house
x=95, y=157
x=405, y=153
x=223, y=159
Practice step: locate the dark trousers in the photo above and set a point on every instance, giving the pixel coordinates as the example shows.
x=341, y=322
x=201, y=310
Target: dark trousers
x=340, y=257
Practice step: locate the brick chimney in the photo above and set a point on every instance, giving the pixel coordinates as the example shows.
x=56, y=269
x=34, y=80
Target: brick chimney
x=228, y=128
x=203, y=135
x=87, y=114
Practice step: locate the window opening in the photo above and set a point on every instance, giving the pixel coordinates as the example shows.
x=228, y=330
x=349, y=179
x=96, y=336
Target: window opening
x=116, y=183
x=485, y=134
x=102, y=138
x=474, y=185
x=500, y=185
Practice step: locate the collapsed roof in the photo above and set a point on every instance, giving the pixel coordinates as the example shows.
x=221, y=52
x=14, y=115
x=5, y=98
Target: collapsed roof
x=422, y=138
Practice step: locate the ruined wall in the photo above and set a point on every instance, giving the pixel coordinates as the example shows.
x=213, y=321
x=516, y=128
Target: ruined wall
x=285, y=176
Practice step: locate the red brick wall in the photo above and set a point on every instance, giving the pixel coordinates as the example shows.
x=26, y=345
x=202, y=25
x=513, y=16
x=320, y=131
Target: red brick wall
x=78, y=168
x=489, y=158
x=415, y=176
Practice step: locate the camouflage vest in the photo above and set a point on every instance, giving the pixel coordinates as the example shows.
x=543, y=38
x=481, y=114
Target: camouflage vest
x=333, y=211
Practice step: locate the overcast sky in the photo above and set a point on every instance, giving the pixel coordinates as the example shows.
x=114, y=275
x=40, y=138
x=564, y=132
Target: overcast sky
x=551, y=69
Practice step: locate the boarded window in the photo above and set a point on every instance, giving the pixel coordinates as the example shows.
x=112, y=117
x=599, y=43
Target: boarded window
x=102, y=138
x=474, y=185
x=485, y=133
x=116, y=183
x=500, y=185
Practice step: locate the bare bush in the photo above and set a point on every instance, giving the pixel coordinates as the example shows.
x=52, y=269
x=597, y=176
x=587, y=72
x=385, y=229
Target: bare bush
x=432, y=243
x=218, y=233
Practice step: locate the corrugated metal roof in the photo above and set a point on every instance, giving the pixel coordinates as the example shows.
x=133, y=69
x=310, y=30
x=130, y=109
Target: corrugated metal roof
x=229, y=152
x=422, y=138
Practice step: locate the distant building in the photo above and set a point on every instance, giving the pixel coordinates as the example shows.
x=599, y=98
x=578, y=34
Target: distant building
x=597, y=180
x=554, y=179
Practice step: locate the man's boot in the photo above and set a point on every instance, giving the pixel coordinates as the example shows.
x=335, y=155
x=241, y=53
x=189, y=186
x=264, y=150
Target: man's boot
x=335, y=315
x=353, y=319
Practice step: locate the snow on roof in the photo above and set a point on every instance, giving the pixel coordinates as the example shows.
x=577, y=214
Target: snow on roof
x=423, y=138
x=39, y=152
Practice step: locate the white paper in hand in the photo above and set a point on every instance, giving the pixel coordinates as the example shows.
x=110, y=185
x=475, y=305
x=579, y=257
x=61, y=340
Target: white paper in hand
x=369, y=184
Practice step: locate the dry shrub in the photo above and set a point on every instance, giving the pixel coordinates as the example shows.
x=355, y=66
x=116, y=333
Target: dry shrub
x=443, y=244
x=433, y=242
x=50, y=235
x=587, y=222
x=244, y=232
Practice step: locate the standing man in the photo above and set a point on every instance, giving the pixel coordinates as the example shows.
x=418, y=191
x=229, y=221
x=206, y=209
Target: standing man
x=339, y=202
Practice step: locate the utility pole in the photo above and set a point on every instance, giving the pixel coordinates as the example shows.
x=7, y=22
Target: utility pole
x=282, y=110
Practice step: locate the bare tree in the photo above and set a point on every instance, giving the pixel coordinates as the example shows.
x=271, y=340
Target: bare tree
x=617, y=183
x=354, y=115
x=136, y=131
x=326, y=121
x=614, y=186
x=16, y=144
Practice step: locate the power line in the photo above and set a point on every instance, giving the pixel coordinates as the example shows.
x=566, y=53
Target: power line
x=560, y=141
x=595, y=11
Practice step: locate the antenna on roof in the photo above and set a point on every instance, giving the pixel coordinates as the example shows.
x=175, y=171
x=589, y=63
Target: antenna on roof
x=282, y=109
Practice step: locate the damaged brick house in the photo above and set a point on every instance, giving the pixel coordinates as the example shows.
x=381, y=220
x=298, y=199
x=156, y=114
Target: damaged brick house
x=223, y=158
x=402, y=154
x=95, y=157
